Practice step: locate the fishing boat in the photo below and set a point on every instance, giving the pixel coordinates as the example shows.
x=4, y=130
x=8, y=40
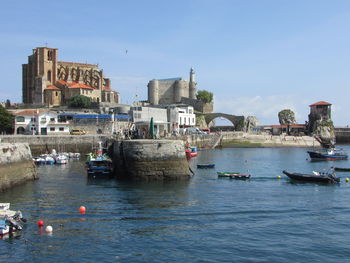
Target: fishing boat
x=321, y=177
x=98, y=163
x=329, y=154
x=205, y=165
x=226, y=174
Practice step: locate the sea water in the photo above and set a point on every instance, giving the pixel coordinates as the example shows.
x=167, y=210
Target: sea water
x=205, y=219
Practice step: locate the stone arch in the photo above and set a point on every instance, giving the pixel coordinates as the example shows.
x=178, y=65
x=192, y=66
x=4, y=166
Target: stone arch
x=20, y=130
x=235, y=120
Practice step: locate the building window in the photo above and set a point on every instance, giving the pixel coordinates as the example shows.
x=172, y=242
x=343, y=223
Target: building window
x=52, y=129
x=43, y=119
x=20, y=119
x=180, y=120
x=49, y=75
x=61, y=129
x=33, y=119
x=52, y=119
x=49, y=55
x=56, y=93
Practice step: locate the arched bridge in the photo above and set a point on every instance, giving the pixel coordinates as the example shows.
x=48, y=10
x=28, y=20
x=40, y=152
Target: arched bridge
x=232, y=118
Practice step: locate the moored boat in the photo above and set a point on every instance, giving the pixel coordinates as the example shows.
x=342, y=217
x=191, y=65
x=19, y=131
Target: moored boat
x=329, y=154
x=240, y=176
x=98, y=163
x=205, y=165
x=10, y=221
x=226, y=174
x=321, y=177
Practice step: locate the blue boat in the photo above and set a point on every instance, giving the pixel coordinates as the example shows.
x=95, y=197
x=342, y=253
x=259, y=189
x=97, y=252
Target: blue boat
x=330, y=154
x=205, y=165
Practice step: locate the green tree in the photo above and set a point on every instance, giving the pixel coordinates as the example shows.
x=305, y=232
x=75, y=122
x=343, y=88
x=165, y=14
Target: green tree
x=6, y=121
x=205, y=96
x=79, y=101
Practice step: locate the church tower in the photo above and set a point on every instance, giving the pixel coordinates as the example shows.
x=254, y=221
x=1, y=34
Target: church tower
x=192, y=85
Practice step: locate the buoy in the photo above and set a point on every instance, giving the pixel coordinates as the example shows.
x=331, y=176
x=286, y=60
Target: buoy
x=278, y=177
x=48, y=229
x=347, y=179
x=40, y=223
x=82, y=210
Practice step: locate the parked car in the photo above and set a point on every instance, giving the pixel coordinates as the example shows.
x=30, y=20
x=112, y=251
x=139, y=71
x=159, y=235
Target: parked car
x=77, y=132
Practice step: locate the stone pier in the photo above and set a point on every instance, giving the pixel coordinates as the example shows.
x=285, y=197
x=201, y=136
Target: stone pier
x=150, y=160
x=16, y=164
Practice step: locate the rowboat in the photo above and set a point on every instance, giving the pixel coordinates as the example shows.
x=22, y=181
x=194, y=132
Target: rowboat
x=205, y=165
x=320, y=177
x=226, y=174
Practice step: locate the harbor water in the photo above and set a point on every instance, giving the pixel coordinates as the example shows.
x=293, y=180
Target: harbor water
x=205, y=219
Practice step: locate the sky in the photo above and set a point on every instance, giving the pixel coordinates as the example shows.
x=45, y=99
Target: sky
x=258, y=57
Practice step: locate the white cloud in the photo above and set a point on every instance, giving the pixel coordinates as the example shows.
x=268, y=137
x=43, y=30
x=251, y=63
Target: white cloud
x=265, y=108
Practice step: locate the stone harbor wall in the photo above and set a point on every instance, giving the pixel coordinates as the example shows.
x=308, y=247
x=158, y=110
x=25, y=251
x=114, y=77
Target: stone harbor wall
x=16, y=164
x=150, y=160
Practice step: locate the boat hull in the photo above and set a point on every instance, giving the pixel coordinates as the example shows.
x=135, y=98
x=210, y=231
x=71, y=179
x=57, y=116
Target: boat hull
x=319, y=156
x=312, y=178
x=204, y=166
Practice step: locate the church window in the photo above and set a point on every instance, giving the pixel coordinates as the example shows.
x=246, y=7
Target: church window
x=49, y=55
x=49, y=75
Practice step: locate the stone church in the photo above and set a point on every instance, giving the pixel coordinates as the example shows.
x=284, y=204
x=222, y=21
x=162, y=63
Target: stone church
x=47, y=81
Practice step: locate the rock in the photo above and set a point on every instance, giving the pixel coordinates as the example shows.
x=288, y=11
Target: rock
x=286, y=117
x=250, y=122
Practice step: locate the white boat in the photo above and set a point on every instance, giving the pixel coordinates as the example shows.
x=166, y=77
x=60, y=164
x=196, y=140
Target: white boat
x=9, y=219
x=61, y=159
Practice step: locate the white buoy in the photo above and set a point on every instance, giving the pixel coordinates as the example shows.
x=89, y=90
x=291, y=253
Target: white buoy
x=48, y=229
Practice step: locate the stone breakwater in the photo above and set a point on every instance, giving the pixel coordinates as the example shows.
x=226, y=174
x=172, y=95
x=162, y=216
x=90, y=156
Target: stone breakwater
x=16, y=164
x=150, y=160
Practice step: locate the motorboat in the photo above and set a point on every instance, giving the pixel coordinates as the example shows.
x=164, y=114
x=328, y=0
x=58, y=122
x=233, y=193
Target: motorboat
x=321, y=177
x=205, y=165
x=191, y=152
x=328, y=154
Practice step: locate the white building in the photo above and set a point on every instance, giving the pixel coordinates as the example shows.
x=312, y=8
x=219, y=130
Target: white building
x=39, y=122
x=142, y=117
x=181, y=117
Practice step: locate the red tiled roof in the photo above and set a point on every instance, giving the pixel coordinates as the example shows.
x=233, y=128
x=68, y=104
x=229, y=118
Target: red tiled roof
x=78, y=86
x=321, y=103
x=74, y=85
x=52, y=87
x=29, y=112
x=106, y=88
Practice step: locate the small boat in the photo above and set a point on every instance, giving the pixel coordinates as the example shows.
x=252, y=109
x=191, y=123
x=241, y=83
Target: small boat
x=10, y=221
x=226, y=174
x=329, y=154
x=342, y=169
x=321, y=177
x=205, y=165
x=99, y=163
x=240, y=176
x=61, y=159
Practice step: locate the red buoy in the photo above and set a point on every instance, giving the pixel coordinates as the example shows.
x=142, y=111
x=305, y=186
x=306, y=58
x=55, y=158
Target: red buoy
x=82, y=210
x=40, y=223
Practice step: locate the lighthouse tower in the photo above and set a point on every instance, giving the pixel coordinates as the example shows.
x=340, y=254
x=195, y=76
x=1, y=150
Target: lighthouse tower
x=192, y=85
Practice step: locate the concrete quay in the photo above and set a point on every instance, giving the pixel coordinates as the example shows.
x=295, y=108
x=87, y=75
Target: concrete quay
x=252, y=140
x=61, y=143
x=16, y=165
x=150, y=160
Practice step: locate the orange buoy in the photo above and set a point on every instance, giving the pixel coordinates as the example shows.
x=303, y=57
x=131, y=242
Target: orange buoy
x=40, y=223
x=82, y=210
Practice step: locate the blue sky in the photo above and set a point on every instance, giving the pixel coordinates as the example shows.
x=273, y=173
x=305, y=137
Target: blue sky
x=257, y=57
